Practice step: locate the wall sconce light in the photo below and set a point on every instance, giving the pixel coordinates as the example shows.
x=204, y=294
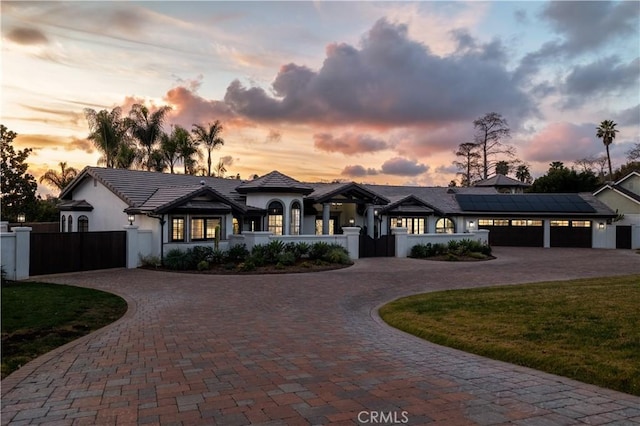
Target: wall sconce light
x=352, y=221
x=601, y=225
x=376, y=212
x=131, y=219
x=22, y=218
x=399, y=222
x=472, y=224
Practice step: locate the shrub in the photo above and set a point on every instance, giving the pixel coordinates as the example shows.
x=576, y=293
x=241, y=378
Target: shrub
x=477, y=255
x=273, y=251
x=337, y=255
x=150, y=261
x=217, y=257
x=203, y=265
x=318, y=250
x=176, y=259
x=247, y=266
x=237, y=253
x=419, y=251
x=286, y=259
x=301, y=250
x=200, y=253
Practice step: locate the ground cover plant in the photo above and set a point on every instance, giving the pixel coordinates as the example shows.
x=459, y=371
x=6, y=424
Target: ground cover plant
x=466, y=249
x=39, y=317
x=276, y=256
x=584, y=329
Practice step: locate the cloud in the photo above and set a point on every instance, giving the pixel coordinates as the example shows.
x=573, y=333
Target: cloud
x=403, y=167
x=190, y=108
x=228, y=160
x=565, y=142
x=274, y=136
x=38, y=142
x=389, y=81
x=348, y=143
x=604, y=76
x=629, y=116
x=358, y=171
x=27, y=36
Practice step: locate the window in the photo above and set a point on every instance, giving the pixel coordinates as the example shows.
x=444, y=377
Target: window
x=236, y=226
x=83, y=224
x=319, y=226
x=177, y=229
x=444, y=225
x=295, y=218
x=526, y=222
x=501, y=222
x=559, y=223
x=485, y=222
x=414, y=225
x=70, y=224
x=204, y=228
x=581, y=223
x=63, y=223
x=275, y=218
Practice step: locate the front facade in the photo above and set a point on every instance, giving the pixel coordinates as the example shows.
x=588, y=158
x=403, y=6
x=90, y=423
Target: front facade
x=623, y=197
x=181, y=210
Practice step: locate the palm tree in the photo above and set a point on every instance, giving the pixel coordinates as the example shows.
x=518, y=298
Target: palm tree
x=146, y=128
x=607, y=132
x=169, y=147
x=108, y=133
x=523, y=174
x=220, y=169
x=59, y=180
x=209, y=138
x=187, y=150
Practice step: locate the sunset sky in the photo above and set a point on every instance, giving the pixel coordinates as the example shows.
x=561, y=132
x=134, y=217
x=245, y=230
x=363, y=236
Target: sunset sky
x=377, y=92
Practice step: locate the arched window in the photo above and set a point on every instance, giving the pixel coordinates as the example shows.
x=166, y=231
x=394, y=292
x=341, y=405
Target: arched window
x=275, y=217
x=63, y=223
x=70, y=224
x=83, y=224
x=444, y=225
x=295, y=218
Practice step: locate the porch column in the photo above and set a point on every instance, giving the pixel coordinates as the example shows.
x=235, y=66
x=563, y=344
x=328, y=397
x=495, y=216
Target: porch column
x=133, y=249
x=22, y=253
x=546, y=236
x=326, y=216
x=371, y=220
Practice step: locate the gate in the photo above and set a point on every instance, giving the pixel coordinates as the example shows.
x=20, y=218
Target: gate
x=383, y=246
x=623, y=237
x=76, y=251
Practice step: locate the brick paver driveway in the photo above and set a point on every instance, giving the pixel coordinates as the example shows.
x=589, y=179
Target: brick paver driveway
x=303, y=349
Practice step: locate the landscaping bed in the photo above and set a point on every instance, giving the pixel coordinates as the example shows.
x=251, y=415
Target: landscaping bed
x=463, y=250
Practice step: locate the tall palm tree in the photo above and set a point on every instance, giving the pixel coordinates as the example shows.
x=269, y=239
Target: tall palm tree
x=209, y=138
x=188, y=152
x=169, y=147
x=146, y=128
x=108, y=131
x=607, y=132
x=59, y=179
x=220, y=168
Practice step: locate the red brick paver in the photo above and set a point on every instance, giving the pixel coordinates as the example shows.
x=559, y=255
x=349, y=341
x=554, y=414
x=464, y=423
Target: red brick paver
x=303, y=349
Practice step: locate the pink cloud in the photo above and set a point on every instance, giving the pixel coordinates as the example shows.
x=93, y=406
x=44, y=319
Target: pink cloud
x=563, y=142
x=349, y=143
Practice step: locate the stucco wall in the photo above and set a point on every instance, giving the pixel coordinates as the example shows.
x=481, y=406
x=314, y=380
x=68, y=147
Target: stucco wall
x=617, y=201
x=108, y=209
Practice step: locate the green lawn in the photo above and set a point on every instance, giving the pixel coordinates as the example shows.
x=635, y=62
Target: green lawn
x=586, y=329
x=39, y=317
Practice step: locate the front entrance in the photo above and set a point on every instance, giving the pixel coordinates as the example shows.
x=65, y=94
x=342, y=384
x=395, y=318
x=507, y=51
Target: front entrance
x=383, y=246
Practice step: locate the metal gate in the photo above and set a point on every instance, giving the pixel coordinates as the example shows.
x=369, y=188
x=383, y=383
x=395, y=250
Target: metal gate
x=623, y=237
x=76, y=251
x=383, y=246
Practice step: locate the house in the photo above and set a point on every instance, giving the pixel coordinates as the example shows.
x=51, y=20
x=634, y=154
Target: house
x=503, y=184
x=174, y=210
x=623, y=197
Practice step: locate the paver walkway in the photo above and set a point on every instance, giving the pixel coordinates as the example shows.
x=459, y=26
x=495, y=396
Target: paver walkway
x=303, y=349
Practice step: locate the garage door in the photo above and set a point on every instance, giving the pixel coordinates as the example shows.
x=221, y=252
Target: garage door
x=571, y=233
x=514, y=232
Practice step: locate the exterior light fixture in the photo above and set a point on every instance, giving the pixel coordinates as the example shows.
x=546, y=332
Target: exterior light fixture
x=352, y=221
x=131, y=219
x=601, y=225
x=376, y=212
x=399, y=222
x=21, y=217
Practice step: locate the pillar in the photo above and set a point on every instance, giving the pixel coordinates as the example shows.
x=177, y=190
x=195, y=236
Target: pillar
x=402, y=246
x=353, y=241
x=546, y=223
x=23, y=240
x=326, y=216
x=133, y=248
x=371, y=220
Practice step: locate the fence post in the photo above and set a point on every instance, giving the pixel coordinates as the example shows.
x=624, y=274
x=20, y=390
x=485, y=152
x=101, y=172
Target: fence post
x=402, y=250
x=353, y=241
x=133, y=251
x=23, y=242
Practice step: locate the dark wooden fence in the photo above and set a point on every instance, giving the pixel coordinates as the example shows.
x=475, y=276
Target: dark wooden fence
x=76, y=251
x=38, y=227
x=384, y=246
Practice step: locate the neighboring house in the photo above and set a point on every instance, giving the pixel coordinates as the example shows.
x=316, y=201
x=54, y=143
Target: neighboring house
x=177, y=210
x=503, y=184
x=623, y=197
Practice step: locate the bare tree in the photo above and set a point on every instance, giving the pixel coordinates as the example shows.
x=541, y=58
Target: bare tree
x=490, y=130
x=469, y=163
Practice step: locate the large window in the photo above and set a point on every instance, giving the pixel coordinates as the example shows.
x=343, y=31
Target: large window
x=444, y=225
x=275, y=218
x=332, y=223
x=559, y=223
x=414, y=225
x=204, y=228
x=177, y=229
x=581, y=223
x=70, y=224
x=295, y=218
x=83, y=224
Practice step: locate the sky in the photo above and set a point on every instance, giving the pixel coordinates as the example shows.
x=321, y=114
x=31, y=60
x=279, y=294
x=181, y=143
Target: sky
x=374, y=92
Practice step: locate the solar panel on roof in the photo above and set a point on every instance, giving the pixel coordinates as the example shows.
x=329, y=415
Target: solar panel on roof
x=556, y=203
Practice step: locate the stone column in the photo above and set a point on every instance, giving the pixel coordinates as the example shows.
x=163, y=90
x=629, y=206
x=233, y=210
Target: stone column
x=353, y=241
x=326, y=216
x=23, y=241
x=546, y=223
x=402, y=247
x=371, y=220
x=133, y=247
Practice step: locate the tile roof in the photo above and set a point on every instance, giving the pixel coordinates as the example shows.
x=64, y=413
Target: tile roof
x=276, y=182
x=501, y=180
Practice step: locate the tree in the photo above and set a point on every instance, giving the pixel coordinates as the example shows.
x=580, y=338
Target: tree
x=187, y=150
x=18, y=186
x=169, y=144
x=594, y=164
x=634, y=153
x=607, y=132
x=220, y=169
x=209, y=138
x=490, y=130
x=502, y=168
x=59, y=180
x=562, y=179
x=146, y=128
x=108, y=132
x=523, y=174
x=469, y=163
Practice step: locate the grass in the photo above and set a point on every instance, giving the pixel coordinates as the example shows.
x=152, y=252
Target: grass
x=587, y=329
x=39, y=317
